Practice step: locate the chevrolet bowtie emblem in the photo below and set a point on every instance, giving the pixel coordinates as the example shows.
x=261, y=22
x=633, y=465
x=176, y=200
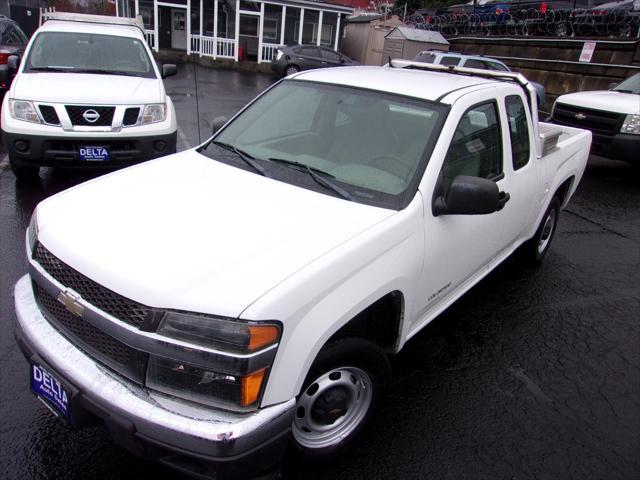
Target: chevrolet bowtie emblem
x=70, y=302
x=580, y=116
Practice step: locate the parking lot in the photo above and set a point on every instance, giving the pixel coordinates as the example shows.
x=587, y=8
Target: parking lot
x=535, y=373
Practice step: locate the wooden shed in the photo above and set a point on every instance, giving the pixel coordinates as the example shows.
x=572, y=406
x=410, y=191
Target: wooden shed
x=364, y=37
x=406, y=43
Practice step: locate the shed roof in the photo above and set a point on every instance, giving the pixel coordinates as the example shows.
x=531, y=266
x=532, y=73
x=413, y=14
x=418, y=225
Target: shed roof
x=417, y=35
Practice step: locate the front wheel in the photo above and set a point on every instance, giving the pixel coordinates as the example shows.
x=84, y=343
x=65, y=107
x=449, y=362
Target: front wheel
x=291, y=69
x=537, y=247
x=339, y=394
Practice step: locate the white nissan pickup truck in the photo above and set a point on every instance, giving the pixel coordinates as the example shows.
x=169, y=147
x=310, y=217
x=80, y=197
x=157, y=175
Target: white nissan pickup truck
x=216, y=311
x=87, y=93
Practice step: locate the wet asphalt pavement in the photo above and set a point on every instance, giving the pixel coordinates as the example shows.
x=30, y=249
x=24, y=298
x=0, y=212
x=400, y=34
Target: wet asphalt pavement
x=533, y=374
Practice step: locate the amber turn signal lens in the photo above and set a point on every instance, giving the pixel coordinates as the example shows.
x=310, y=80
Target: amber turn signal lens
x=251, y=385
x=262, y=335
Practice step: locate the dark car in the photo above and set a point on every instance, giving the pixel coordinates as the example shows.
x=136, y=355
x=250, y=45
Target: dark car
x=12, y=42
x=291, y=59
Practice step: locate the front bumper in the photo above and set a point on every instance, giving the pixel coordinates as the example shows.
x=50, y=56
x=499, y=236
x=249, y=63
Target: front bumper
x=185, y=436
x=63, y=151
x=621, y=146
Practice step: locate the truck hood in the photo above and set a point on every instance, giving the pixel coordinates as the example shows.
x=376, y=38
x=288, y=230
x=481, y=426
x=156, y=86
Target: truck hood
x=608, y=100
x=190, y=233
x=81, y=88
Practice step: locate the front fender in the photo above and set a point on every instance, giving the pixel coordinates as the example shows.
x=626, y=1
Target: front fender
x=318, y=300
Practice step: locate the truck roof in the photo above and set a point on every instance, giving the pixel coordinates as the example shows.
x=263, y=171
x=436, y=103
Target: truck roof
x=426, y=85
x=120, y=30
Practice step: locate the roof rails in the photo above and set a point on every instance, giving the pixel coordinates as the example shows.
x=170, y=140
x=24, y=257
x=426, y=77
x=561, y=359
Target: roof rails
x=518, y=78
x=100, y=19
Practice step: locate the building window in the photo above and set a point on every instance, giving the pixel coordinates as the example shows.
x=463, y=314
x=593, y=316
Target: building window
x=249, y=25
x=270, y=30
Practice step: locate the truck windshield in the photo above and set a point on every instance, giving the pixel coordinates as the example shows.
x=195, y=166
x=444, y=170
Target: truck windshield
x=372, y=145
x=89, y=53
x=630, y=85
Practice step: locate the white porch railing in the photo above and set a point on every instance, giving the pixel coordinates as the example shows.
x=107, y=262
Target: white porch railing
x=150, y=35
x=269, y=51
x=213, y=47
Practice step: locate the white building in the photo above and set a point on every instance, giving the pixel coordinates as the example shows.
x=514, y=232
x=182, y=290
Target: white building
x=236, y=29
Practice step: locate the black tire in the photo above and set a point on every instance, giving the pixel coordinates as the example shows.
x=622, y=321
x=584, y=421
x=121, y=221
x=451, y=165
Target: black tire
x=24, y=173
x=534, y=250
x=340, y=393
x=290, y=70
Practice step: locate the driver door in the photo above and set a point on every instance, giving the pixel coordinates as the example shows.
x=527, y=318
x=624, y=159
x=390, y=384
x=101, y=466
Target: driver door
x=458, y=248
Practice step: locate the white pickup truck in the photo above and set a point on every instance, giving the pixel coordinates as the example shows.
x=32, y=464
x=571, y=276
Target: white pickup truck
x=216, y=307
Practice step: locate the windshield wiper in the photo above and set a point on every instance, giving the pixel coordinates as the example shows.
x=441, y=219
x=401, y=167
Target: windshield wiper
x=50, y=69
x=101, y=71
x=312, y=172
x=623, y=91
x=244, y=156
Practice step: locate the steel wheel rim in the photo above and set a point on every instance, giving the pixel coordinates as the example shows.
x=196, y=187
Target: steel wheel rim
x=311, y=433
x=547, y=231
x=291, y=70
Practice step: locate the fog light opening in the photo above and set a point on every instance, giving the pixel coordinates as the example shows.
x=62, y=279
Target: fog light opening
x=21, y=145
x=160, y=145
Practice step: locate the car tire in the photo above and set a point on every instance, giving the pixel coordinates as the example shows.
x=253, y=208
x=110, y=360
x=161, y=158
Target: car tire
x=290, y=70
x=534, y=250
x=339, y=395
x=26, y=173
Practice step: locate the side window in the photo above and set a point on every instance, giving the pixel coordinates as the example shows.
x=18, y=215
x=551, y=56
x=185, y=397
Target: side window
x=473, y=63
x=518, y=130
x=476, y=148
x=449, y=61
x=309, y=51
x=330, y=55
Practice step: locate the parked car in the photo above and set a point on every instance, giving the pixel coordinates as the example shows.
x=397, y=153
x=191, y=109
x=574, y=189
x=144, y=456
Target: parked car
x=438, y=57
x=250, y=302
x=613, y=116
x=294, y=58
x=12, y=42
x=88, y=93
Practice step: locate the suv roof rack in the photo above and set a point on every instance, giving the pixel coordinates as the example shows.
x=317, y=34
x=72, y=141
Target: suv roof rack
x=100, y=19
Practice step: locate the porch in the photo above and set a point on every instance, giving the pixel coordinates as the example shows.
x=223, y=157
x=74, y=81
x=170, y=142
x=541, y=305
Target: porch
x=236, y=29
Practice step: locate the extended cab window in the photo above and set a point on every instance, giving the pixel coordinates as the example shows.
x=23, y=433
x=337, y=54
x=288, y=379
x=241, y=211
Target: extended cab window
x=449, y=60
x=476, y=146
x=518, y=130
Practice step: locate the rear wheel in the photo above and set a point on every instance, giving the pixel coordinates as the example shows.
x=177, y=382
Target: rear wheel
x=534, y=250
x=24, y=172
x=339, y=394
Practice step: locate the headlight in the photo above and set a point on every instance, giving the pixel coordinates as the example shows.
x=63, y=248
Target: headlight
x=33, y=231
x=631, y=124
x=279, y=55
x=154, y=113
x=23, y=110
x=219, y=333
x=205, y=386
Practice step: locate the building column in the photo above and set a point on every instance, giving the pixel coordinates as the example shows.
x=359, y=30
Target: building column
x=201, y=15
x=117, y=9
x=237, y=32
x=337, y=33
x=260, y=30
x=301, y=26
x=137, y=9
x=215, y=29
x=156, y=38
x=284, y=18
x=319, y=28
x=188, y=22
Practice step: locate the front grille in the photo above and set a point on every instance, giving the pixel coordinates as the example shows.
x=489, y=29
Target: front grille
x=78, y=115
x=130, y=116
x=49, y=115
x=108, y=350
x=599, y=122
x=122, y=308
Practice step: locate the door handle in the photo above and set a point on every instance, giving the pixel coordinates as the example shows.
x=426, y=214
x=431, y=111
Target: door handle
x=503, y=198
